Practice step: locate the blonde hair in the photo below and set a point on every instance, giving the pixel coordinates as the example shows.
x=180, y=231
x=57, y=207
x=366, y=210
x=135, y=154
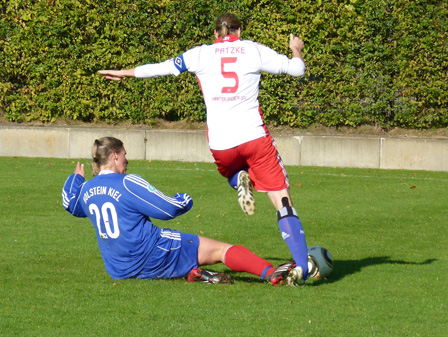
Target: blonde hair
x=101, y=150
x=227, y=24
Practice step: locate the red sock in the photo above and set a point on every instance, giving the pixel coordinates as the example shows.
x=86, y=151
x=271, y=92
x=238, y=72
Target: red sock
x=239, y=258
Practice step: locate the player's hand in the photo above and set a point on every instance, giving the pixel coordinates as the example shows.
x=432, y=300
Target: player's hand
x=114, y=75
x=295, y=43
x=79, y=169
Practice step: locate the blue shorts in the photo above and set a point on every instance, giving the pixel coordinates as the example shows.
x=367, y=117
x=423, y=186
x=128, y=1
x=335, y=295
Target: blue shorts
x=173, y=256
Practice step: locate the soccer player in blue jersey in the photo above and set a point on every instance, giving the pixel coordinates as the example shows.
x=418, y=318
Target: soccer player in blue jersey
x=120, y=206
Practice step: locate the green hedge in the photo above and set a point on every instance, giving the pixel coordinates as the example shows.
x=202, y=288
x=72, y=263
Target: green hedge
x=368, y=62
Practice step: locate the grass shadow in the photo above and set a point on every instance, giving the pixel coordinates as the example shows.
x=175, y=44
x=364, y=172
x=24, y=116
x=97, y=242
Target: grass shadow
x=343, y=268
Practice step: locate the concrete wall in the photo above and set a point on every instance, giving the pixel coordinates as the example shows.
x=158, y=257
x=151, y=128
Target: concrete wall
x=185, y=145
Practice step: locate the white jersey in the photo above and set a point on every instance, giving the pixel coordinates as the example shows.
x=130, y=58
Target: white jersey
x=229, y=72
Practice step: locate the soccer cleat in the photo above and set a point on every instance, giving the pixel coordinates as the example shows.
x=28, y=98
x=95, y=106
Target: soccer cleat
x=205, y=276
x=281, y=273
x=295, y=277
x=245, y=196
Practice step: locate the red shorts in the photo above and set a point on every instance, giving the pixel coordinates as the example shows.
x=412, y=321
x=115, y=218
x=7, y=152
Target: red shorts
x=261, y=158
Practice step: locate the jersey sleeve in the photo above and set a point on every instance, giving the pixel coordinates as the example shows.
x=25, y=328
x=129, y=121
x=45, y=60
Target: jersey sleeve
x=188, y=61
x=71, y=193
x=151, y=202
x=175, y=66
x=274, y=63
x=157, y=69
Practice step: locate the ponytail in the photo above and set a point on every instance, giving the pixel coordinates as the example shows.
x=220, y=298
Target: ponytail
x=101, y=150
x=227, y=24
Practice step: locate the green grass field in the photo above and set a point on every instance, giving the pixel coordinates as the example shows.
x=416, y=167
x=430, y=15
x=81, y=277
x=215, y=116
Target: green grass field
x=387, y=231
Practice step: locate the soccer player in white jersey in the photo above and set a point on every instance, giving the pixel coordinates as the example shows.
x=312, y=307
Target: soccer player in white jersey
x=120, y=206
x=228, y=73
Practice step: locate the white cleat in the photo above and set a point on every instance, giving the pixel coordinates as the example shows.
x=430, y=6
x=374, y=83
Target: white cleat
x=245, y=196
x=295, y=277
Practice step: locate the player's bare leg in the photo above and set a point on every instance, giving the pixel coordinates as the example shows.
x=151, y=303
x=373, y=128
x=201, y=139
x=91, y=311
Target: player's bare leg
x=240, y=259
x=210, y=252
x=277, y=196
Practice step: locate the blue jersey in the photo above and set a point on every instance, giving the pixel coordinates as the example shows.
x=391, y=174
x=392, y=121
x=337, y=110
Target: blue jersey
x=120, y=207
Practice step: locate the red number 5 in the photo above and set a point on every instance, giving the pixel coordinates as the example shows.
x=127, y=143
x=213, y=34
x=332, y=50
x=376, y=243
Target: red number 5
x=230, y=74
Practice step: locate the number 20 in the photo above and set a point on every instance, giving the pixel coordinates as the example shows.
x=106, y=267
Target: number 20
x=229, y=74
x=105, y=209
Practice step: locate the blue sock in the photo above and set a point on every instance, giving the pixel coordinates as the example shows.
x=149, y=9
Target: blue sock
x=293, y=234
x=233, y=180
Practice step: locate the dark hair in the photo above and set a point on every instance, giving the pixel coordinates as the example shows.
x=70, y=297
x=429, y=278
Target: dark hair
x=227, y=24
x=101, y=150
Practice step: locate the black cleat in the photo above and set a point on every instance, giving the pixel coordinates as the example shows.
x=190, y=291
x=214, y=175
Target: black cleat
x=281, y=273
x=205, y=276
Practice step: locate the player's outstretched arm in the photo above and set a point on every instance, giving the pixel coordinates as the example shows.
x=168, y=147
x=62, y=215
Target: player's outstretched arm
x=117, y=75
x=153, y=203
x=275, y=63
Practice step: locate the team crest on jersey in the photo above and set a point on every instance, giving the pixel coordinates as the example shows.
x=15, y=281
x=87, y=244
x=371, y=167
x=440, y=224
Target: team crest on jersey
x=178, y=62
x=151, y=188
